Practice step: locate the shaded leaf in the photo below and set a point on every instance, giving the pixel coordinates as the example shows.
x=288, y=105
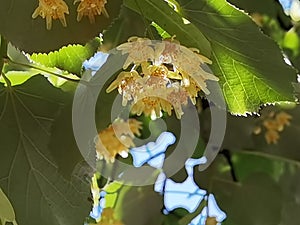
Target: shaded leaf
x=31, y=35
x=268, y=7
x=258, y=200
x=28, y=173
x=128, y=24
x=135, y=207
x=163, y=15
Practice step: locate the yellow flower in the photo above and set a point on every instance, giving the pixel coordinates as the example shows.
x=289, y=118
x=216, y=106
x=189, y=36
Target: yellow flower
x=271, y=124
x=51, y=9
x=274, y=123
x=127, y=86
x=117, y=139
x=191, y=88
x=91, y=8
x=272, y=136
x=283, y=118
x=163, y=76
x=151, y=106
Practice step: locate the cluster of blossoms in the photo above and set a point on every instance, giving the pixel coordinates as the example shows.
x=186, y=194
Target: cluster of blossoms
x=117, y=138
x=91, y=8
x=162, y=76
x=274, y=123
x=51, y=9
x=56, y=9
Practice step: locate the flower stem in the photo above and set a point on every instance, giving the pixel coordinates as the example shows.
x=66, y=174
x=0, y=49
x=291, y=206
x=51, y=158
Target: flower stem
x=3, y=52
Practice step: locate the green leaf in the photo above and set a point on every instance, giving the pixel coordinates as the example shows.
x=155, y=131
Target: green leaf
x=18, y=77
x=162, y=14
x=245, y=164
x=241, y=58
x=113, y=194
x=257, y=200
x=135, y=208
x=161, y=31
x=28, y=173
x=268, y=7
x=291, y=41
x=19, y=69
x=31, y=35
x=7, y=213
x=128, y=24
x=69, y=58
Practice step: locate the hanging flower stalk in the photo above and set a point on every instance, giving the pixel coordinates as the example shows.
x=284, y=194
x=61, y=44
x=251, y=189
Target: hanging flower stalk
x=91, y=8
x=163, y=75
x=117, y=138
x=51, y=10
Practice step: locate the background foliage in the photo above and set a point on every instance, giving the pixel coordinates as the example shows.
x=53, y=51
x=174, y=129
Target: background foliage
x=42, y=175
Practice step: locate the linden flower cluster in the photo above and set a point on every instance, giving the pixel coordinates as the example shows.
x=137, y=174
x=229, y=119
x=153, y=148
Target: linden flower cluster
x=56, y=9
x=117, y=138
x=91, y=8
x=162, y=77
x=51, y=9
x=274, y=124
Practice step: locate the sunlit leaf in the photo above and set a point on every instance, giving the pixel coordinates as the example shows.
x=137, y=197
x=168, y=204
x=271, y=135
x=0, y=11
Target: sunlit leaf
x=113, y=193
x=69, y=58
x=18, y=77
x=241, y=58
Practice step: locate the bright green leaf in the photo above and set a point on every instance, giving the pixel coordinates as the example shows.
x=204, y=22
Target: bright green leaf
x=115, y=193
x=68, y=58
x=19, y=69
x=291, y=41
x=18, y=77
x=241, y=58
x=164, y=34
